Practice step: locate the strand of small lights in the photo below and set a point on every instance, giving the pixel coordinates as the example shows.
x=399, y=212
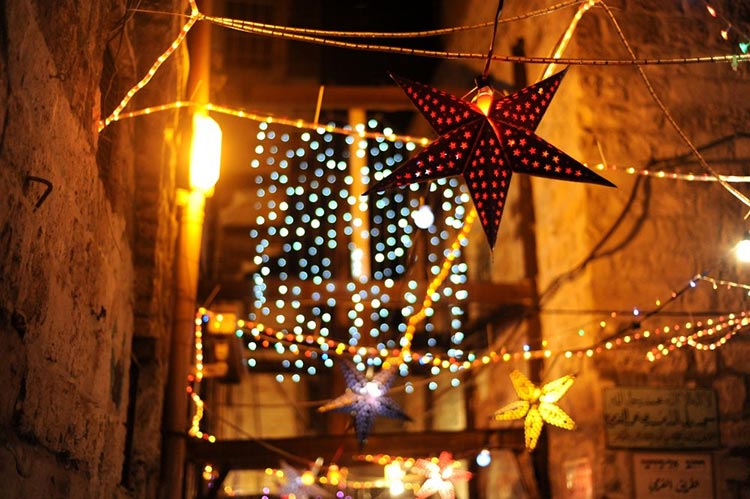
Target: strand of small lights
x=393, y=137
x=744, y=44
x=359, y=228
x=437, y=281
x=195, y=15
x=304, y=168
x=232, y=24
x=280, y=120
x=690, y=177
x=618, y=339
x=194, y=380
x=320, y=344
x=383, y=459
x=477, y=360
x=312, y=208
x=691, y=340
x=240, y=23
x=732, y=325
x=668, y=115
x=379, y=483
x=405, y=462
x=595, y=349
x=582, y=9
x=503, y=355
x=721, y=282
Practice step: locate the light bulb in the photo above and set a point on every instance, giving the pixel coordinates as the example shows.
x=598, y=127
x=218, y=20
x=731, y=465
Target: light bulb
x=372, y=389
x=334, y=475
x=742, y=250
x=484, y=99
x=393, y=472
x=397, y=488
x=423, y=217
x=307, y=478
x=484, y=458
x=205, y=154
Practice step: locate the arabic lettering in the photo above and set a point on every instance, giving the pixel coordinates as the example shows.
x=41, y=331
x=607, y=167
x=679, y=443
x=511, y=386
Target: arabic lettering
x=660, y=418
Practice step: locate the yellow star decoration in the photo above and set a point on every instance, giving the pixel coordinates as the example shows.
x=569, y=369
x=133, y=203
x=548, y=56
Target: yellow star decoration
x=537, y=405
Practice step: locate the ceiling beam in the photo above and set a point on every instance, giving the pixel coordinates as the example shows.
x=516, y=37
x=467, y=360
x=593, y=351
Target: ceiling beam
x=262, y=454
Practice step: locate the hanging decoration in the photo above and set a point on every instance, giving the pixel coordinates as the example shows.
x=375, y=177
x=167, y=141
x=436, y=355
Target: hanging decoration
x=301, y=485
x=537, y=406
x=486, y=142
x=366, y=399
x=712, y=335
x=442, y=473
x=408, y=139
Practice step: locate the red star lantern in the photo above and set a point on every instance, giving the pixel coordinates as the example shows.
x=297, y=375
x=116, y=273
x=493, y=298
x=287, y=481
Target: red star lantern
x=486, y=142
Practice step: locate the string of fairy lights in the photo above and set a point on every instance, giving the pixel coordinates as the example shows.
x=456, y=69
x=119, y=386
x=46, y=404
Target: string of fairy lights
x=267, y=337
x=411, y=141
x=314, y=188
x=303, y=184
x=742, y=38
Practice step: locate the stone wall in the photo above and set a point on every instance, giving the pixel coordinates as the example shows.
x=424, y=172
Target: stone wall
x=76, y=267
x=669, y=231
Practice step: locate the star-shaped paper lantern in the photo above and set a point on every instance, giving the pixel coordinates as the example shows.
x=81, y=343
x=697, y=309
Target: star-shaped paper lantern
x=301, y=485
x=537, y=406
x=366, y=399
x=441, y=476
x=486, y=142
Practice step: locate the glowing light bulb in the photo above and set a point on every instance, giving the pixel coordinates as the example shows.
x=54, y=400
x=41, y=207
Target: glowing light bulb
x=484, y=99
x=372, y=389
x=334, y=475
x=742, y=250
x=205, y=154
x=307, y=478
x=397, y=488
x=423, y=217
x=484, y=458
x=393, y=472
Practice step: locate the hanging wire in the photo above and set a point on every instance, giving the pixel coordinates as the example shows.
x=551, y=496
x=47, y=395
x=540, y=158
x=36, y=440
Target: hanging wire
x=401, y=34
x=486, y=71
x=732, y=190
x=239, y=26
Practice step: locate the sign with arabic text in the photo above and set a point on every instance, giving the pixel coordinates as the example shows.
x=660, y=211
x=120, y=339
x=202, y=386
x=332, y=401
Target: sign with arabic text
x=673, y=476
x=660, y=418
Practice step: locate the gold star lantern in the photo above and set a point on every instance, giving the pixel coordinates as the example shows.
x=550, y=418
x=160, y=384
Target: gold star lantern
x=537, y=406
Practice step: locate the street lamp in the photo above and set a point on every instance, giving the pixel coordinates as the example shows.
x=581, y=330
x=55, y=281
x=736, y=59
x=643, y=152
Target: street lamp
x=205, y=154
x=205, y=160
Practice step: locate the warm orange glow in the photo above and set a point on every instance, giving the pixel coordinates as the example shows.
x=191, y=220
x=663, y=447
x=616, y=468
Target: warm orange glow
x=484, y=99
x=205, y=154
x=307, y=478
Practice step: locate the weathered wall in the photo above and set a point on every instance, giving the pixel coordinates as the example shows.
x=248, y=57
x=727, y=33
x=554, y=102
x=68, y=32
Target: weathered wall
x=68, y=288
x=670, y=231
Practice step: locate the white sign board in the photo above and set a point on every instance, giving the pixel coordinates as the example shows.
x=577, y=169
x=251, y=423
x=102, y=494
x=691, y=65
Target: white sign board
x=673, y=476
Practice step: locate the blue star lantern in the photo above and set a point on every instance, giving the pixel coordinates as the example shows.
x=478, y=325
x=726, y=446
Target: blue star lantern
x=366, y=399
x=301, y=485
